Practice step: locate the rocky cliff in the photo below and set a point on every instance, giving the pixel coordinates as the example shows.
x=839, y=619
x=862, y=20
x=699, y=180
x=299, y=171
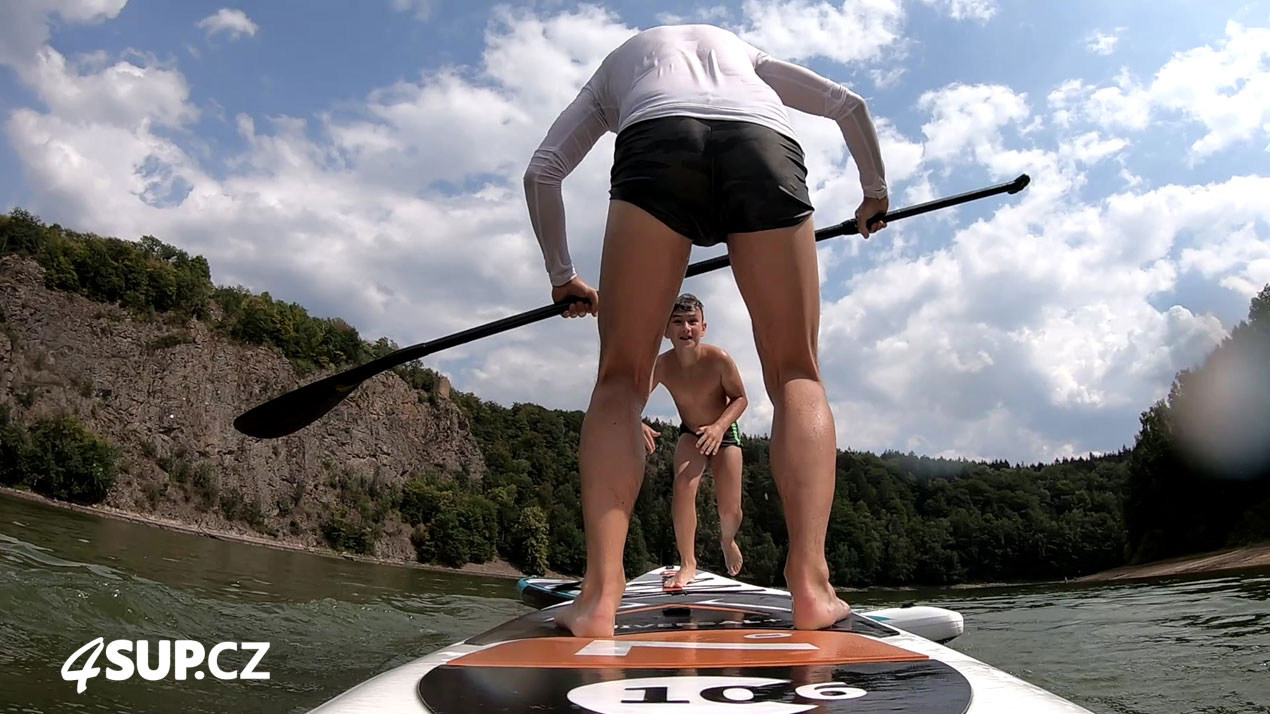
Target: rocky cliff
x=165, y=392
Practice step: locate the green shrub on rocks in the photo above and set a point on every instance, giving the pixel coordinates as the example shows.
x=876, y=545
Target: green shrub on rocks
x=56, y=457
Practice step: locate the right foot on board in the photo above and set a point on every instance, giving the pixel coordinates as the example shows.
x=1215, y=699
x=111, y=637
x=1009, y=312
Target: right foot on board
x=681, y=578
x=815, y=603
x=592, y=615
x=586, y=620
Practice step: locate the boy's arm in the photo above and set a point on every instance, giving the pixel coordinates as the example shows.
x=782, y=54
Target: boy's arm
x=735, y=389
x=651, y=434
x=712, y=434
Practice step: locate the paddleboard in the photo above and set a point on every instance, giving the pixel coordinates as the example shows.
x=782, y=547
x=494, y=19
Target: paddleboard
x=934, y=623
x=727, y=649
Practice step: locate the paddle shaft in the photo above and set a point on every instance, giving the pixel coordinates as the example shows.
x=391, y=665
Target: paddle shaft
x=847, y=227
x=294, y=410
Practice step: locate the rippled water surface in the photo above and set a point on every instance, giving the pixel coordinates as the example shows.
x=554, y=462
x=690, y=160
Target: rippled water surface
x=1160, y=647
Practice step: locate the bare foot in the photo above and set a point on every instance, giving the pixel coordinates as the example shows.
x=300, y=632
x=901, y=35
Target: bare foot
x=590, y=615
x=815, y=604
x=686, y=573
x=732, y=557
x=586, y=619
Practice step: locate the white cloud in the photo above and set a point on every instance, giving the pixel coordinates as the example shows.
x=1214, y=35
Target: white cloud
x=1131, y=180
x=1226, y=88
x=1039, y=317
x=1240, y=261
x=981, y=10
x=352, y=200
x=887, y=78
x=420, y=10
x=24, y=25
x=234, y=23
x=1091, y=148
x=801, y=29
x=713, y=14
x=1103, y=43
x=1126, y=105
x=969, y=117
x=1038, y=329
x=122, y=93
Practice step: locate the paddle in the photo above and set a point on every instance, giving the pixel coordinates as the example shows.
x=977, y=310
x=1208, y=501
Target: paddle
x=297, y=409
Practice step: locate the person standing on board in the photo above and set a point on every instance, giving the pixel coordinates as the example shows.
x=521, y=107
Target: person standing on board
x=704, y=154
x=708, y=392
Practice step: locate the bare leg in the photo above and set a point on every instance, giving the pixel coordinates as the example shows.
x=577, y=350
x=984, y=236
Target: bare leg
x=725, y=466
x=776, y=274
x=641, y=270
x=690, y=464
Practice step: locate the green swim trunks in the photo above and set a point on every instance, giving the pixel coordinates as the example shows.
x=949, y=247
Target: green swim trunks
x=731, y=437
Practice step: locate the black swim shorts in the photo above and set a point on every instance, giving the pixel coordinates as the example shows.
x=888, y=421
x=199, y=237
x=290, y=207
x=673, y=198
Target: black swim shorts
x=706, y=179
x=731, y=437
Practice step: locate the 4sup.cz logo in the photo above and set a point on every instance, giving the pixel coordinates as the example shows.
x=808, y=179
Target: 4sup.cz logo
x=178, y=658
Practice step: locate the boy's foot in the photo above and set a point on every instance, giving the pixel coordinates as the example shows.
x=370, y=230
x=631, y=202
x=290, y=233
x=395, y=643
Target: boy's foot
x=732, y=557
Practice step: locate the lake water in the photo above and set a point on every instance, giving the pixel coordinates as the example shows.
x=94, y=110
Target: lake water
x=1167, y=646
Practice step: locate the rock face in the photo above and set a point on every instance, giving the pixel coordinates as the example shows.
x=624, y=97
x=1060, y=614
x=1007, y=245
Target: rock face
x=166, y=393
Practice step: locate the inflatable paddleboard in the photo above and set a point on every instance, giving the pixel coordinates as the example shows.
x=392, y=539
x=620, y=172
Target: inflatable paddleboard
x=725, y=650
x=933, y=623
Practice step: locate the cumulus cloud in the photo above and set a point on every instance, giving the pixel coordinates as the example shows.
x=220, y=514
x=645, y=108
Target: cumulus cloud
x=886, y=78
x=1225, y=87
x=1103, y=43
x=801, y=29
x=390, y=218
x=24, y=26
x=969, y=118
x=1091, y=147
x=121, y=93
x=233, y=23
x=714, y=14
x=981, y=10
x=1034, y=331
x=420, y=10
x=1025, y=327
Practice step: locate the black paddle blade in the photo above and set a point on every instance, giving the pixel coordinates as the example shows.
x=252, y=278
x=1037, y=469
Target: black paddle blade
x=297, y=409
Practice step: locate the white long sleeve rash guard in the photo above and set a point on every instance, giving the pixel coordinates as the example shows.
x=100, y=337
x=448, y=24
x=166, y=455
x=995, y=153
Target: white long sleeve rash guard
x=685, y=70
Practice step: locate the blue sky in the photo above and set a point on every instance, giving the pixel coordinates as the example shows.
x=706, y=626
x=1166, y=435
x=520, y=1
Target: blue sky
x=363, y=159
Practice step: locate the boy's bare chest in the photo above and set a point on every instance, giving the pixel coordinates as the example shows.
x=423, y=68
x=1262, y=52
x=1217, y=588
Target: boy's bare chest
x=696, y=381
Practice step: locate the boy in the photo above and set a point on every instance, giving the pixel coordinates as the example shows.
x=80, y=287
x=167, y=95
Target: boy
x=707, y=390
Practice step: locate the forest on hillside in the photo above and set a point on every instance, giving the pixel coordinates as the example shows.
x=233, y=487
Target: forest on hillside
x=1196, y=478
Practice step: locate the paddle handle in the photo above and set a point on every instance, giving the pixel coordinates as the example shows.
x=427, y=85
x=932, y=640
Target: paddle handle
x=849, y=227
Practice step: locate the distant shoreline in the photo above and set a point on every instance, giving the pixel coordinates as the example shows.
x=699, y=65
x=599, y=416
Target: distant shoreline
x=497, y=568
x=1217, y=561
x=1253, y=556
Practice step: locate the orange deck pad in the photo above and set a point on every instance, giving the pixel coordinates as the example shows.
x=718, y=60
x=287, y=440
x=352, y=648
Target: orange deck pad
x=690, y=649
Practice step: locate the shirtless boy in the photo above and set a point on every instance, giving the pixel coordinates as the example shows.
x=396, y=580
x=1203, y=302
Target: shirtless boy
x=706, y=387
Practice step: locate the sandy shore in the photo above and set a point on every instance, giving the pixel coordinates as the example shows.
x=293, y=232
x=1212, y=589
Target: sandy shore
x=1253, y=556
x=495, y=568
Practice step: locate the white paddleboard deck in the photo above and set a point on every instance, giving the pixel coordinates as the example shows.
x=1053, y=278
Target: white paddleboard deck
x=716, y=647
x=934, y=623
